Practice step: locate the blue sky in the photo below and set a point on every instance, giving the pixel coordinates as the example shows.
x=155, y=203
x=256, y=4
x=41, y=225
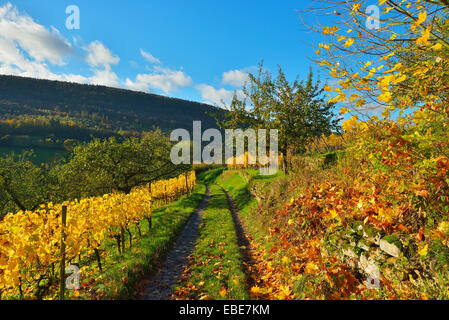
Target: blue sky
x=197, y=50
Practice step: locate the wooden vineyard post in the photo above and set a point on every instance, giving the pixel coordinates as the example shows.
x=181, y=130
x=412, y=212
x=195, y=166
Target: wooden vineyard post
x=117, y=238
x=122, y=233
x=150, y=223
x=187, y=184
x=62, y=253
x=151, y=202
x=166, y=195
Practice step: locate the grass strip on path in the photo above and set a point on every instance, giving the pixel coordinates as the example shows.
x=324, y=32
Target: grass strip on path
x=216, y=266
x=237, y=183
x=264, y=263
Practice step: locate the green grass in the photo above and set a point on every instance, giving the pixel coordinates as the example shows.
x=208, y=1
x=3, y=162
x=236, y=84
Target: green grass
x=210, y=176
x=237, y=183
x=122, y=272
x=217, y=269
x=40, y=156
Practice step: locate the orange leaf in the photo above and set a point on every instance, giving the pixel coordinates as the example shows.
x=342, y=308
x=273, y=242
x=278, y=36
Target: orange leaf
x=420, y=235
x=423, y=193
x=223, y=292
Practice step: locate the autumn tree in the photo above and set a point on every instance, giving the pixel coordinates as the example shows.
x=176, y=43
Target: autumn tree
x=23, y=186
x=103, y=166
x=397, y=59
x=400, y=63
x=297, y=109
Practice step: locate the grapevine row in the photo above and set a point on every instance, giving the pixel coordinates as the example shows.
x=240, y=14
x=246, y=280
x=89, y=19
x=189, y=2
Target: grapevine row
x=30, y=241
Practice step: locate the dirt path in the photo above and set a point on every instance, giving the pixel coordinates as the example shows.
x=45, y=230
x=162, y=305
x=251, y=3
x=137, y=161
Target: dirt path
x=251, y=256
x=160, y=286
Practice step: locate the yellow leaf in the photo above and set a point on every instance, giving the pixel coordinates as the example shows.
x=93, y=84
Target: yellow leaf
x=286, y=260
x=348, y=125
x=325, y=63
x=356, y=7
x=437, y=47
x=422, y=16
x=285, y=292
x=423, y=193
x=327, y=30
x=424, y=39
x=344, y=110
x=422, y=251
x=352, y=98
x=349, y=42
x=311, y=268
x=256, y=290
x=444, y=227
x=333, y=213
x=385, y=96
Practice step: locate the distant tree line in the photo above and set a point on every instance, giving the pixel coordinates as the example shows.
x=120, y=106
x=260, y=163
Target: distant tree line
x=98, y=106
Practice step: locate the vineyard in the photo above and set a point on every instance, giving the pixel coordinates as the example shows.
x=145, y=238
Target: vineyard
x=31, y=242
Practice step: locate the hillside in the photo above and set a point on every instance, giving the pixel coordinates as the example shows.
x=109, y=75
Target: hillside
x=43, y=113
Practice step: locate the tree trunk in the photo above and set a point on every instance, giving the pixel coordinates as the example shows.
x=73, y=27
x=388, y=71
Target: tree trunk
x=14, y=197
x=117, y=237
x=97, y=255
x=130, y=237
x=122, y=231
x=284, y=160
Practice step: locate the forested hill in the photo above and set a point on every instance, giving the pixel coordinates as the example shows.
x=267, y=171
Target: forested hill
x=97, y=109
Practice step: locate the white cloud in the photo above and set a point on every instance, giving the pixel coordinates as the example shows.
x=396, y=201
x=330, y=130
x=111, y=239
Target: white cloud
x=10, y=54
x=13, y=62
x=41, y=44
x=99, y=55
x=164, y=79
x=27, y=48
x=235, y=78
x=105, y=78
x=217, y=96
x=41, y=71
x=139, y=85
x=101, y=58
x=149, y=57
